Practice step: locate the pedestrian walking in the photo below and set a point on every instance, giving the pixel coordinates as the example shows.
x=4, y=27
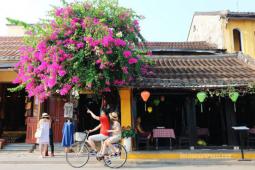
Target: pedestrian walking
x=43, y=138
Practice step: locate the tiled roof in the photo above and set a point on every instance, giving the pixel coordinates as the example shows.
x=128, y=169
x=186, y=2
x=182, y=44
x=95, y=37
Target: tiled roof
x=195, y=45
x=199, y=71
x=240, y=14
x=229, y=14
x=9, y=47
x=173, y=71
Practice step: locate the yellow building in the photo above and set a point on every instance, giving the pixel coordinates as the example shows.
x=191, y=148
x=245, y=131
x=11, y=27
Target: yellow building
x=233, y=31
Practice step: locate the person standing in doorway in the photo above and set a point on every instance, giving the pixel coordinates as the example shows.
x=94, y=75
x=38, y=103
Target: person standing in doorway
x=44, y=126
x=104, y=126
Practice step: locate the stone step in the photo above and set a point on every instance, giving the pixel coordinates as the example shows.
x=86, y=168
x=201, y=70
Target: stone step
x=17, y=147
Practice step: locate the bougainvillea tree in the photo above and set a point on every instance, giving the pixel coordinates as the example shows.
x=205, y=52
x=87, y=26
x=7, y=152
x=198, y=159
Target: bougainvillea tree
x=82, y=45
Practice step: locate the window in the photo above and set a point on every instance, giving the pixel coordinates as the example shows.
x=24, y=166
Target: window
x=237, y=40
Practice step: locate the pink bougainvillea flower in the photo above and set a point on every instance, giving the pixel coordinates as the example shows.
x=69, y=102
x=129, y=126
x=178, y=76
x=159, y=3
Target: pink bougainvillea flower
x=75, y=79
x=61, y=73
x=54, y=36
x=17, y=80
x=66, y=88
x=98, y=61
x=119, y=82
x=127, y=53
x=109, y=51
x=107, y=89
x=105, y=42
x=59, y=12
x=42, y=47
x=102, y=66
x=125, y=70
x=43, y=66
x=96, y=21
x=80, y=45
x=136, y=22
x=107, y=83
x=132, y=61
x=119, y=42
x=67, y=11
x=94, y=43
x=51, y=82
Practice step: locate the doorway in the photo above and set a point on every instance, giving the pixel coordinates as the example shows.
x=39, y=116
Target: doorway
x=12, y=114
x=211, y=122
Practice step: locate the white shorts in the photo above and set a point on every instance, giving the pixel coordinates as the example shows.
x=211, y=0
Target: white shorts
x=114, y=138
x=98, y=137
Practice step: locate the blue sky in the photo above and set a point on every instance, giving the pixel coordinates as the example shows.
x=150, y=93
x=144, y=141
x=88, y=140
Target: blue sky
x=165, y=20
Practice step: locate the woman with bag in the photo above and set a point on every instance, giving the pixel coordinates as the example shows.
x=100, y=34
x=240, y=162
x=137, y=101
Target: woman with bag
x=42, y=133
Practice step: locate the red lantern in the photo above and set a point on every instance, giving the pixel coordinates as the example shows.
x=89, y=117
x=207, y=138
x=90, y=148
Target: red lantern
x=145, y=96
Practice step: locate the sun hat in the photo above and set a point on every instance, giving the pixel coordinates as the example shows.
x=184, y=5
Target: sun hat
x=113, y=115
x=45, y=115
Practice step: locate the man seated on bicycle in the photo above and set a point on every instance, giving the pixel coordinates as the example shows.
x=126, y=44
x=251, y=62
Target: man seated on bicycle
x=116, y=134
x=104, y=126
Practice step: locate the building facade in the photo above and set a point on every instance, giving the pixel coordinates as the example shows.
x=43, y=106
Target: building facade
x=181, y=70
x=233, y=31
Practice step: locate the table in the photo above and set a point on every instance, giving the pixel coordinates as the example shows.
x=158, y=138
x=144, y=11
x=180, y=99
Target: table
x=252, y=130
x=163, y=133
x=202, y=132
x=241, y=131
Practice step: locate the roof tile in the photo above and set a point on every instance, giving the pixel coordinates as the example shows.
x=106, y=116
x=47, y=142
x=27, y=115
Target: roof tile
x=198, y=71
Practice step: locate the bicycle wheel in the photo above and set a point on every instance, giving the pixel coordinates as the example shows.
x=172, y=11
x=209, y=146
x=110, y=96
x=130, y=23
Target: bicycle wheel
x=115, y=157
x=78, y=155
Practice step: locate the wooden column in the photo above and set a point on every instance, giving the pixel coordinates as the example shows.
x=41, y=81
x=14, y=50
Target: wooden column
x=125, y=105
x=32, y=122
x=230, y=121
x=191, y=117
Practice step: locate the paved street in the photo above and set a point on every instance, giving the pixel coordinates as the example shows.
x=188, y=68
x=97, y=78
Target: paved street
x=32, y=161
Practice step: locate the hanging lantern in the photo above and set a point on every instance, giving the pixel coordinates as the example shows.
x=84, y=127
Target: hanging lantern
x=234, y=96
x=145, y=96
x=162, y=98
x=156, y=102
x=201, y=96
x=149, y=109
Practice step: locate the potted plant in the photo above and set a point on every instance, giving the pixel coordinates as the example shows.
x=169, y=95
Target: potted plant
x=127, y=134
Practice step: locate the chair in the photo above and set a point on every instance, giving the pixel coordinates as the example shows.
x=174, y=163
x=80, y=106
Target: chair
x=184, y=141
x=203, y=133
x=251, y=138
x=142, y=140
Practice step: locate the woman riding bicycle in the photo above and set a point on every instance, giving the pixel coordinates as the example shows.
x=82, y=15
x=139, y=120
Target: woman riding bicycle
x=116, y=134
x=104, y=126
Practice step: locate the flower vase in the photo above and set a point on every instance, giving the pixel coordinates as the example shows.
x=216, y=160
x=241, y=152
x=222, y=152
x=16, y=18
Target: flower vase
x=127, y=142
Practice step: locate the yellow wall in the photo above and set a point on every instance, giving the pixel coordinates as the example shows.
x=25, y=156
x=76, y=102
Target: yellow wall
x=125, y=104
x=247, y=29
x=7, y=76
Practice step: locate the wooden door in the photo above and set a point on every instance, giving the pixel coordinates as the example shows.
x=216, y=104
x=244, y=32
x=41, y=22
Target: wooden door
x=31, y=128
x=55, y=108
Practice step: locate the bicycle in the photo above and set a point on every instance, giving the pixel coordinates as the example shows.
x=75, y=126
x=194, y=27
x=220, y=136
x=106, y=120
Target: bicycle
x=79, y=154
